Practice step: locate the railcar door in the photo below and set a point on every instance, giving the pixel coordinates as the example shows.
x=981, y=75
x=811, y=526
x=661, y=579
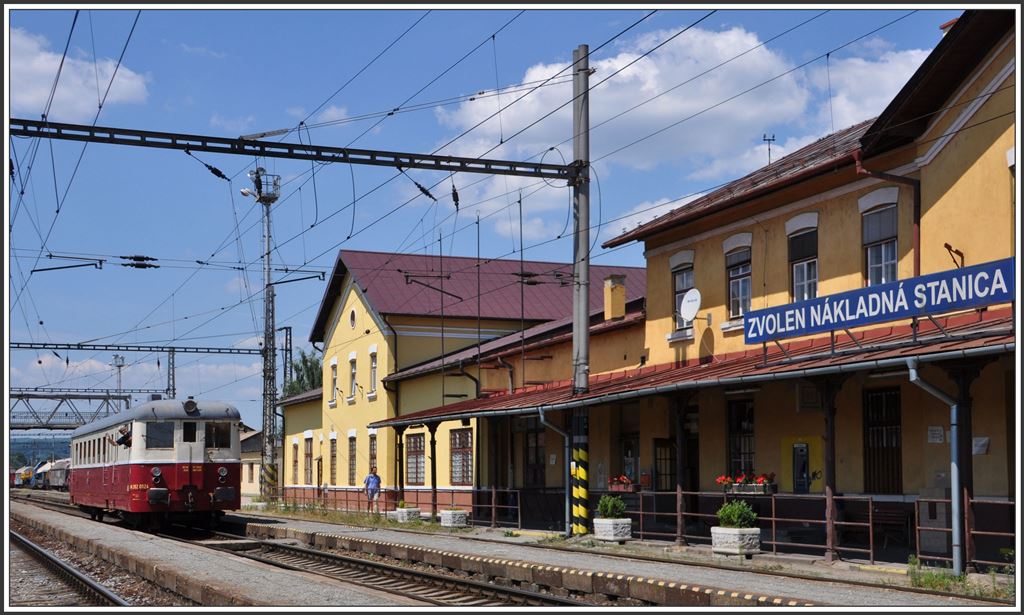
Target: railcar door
x=189, y=456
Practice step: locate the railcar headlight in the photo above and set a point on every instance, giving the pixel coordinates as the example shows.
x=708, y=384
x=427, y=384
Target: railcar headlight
x=155, y=471
x=222, y=471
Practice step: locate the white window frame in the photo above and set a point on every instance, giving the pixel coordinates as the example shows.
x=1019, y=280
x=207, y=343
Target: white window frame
x=886, y=251
x=334, y=384
x=677, y=295
x=351, y=381
x=739, y=277
x=373, y=374
x=800, y=288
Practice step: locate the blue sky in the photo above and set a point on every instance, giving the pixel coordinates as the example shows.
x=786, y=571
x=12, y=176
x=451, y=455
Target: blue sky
x=232, y=72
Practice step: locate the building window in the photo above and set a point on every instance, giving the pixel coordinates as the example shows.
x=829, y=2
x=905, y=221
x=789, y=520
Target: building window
x=414, y=458
x=741, y=437
x=682, y=281
x=334, y=382
x=883, y=442
x=803, y=260
x=352, y=460
x=352, y=378
x=373, y=450
x=352, y=319
x=158, y=435
x=218, y=435
x=295, y=464
x=737, y=265
x=250, y=472
x=879, y=237
x=373, y=372
x=334, y=461
x=309, y=461
x=462, y=456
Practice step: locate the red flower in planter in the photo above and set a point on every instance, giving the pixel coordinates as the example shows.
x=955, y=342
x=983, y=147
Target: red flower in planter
x=723, y=479
x=621, y=479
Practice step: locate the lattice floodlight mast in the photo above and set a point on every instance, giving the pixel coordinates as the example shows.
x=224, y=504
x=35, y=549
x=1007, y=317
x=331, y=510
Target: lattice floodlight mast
x=267, y=189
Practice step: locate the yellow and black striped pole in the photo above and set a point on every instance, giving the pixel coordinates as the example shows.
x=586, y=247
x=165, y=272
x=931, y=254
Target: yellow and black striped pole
x=581, y=498
x=268, y=481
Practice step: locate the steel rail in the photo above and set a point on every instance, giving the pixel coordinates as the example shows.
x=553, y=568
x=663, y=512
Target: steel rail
x=80, y=581
x=383, y=576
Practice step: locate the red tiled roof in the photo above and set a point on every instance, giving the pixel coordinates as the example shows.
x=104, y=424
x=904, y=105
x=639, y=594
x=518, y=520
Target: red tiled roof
x=382, y=276
x=823, y=155
x=990, y=332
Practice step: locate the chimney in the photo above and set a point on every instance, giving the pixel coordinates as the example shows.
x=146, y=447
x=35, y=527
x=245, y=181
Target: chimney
x=614, y=297
x=946, y=26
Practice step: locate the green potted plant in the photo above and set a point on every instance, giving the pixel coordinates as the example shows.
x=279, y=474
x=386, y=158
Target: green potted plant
x=403, y=513
x=612, y=524
x=735, y=533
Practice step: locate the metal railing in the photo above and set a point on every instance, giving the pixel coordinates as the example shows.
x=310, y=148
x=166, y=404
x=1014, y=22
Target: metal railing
x=972, y=532
x=651, y=521
x=493, y=507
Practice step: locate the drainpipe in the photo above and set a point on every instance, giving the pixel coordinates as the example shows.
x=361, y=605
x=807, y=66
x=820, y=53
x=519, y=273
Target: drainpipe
x=476, y=381
x=913, y=183
x=511, y=382
x=954, y=470
x=568, y=452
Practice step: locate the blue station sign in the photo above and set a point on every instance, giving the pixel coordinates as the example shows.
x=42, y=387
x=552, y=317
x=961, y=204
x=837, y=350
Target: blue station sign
x=935, y=293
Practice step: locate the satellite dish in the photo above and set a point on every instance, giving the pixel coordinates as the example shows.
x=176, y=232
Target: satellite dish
x=690, y=304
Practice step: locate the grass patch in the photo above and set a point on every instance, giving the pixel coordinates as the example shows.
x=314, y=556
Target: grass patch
x=939, y=579
x=510, y=534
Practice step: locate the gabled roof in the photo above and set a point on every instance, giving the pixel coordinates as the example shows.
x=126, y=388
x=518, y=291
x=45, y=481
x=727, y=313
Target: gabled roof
x=383, y=276
x=941, y=74
x=977, y=333
x=538, y=336
x=823, y=156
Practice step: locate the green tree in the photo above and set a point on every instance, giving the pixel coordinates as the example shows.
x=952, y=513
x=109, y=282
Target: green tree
x=307, y=374
x=18, y=460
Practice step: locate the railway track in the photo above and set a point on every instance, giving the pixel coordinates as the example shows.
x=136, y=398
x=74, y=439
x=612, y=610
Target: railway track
x=436, y=589
x=73, y=587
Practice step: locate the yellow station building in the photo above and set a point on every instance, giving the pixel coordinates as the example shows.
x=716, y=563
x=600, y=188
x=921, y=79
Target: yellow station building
x=382, y=313
x=857, y=437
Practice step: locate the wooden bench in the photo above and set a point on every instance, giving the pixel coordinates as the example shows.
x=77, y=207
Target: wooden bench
x=891, y=523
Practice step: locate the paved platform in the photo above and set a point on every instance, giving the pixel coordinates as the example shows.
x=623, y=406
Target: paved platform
x=204, y=576
x=584, y=565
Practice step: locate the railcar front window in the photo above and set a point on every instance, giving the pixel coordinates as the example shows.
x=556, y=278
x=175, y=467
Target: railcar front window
x=188, y=431
x=218, y=435
x=159, y=435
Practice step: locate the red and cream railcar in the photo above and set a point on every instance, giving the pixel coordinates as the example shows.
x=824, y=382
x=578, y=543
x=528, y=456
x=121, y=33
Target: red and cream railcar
x=181, y=458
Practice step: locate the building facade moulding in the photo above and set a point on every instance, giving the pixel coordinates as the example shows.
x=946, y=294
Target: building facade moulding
x=802, y=222
x=739, y=240
x=883, y=196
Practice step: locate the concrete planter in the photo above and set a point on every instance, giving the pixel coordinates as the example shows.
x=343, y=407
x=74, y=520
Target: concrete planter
x=754, y=488
x=735, y=540
x=404, y=515
x=454, y=518
x=613, y=530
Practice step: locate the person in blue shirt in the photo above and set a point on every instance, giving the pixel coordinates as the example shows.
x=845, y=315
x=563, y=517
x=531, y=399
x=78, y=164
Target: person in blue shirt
x=372, y=488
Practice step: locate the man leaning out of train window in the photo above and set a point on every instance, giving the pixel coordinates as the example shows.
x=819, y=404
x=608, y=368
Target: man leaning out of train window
x=125, y=438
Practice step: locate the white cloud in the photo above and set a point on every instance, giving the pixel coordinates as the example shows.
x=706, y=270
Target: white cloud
x=643, y=213
x=296, y=112
x=332, y=113
x=33, y=65
x=202, y=51
x=232, y=124
x=716, y=132
x=861, y=88
x=753, y=158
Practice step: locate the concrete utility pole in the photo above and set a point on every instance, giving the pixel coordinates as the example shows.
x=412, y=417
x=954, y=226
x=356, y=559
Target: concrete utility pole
x=579, y=424
x=581, y=215
x=267, y=187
